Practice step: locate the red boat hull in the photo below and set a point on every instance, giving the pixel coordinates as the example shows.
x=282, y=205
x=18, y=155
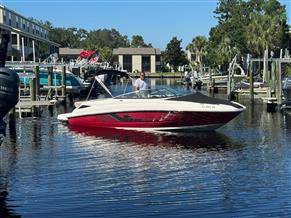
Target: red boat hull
x=154, y=119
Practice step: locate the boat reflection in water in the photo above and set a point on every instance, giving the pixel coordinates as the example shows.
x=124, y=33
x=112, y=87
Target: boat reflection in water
x=189, y=140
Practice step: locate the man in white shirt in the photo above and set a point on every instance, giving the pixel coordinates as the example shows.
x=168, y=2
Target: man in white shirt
x=141, y=83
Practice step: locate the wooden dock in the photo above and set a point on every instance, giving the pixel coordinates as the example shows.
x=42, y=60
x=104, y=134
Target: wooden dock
x=31, y=102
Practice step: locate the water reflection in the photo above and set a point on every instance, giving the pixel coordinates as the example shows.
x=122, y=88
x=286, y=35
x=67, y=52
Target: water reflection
x=2, y=131
x=287, y=119
x=7, y=162
x=193, y=140
x=5, y=210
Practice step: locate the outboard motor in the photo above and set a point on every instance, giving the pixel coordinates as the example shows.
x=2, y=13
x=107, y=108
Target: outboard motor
x=9, y=81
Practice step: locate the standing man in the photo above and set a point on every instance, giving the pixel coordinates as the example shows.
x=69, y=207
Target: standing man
x=141, y=83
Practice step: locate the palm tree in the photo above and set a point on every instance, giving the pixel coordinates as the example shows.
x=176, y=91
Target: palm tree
x=263, y=32
x=198, y=47
x=226, y=51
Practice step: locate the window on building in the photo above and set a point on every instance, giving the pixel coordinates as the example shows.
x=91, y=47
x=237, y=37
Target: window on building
x=25, y=41
x=16, y=22
x=27, y=26
x=146, y=63
x=4, y=16
x=158, y=62
x=127, y=62
x=10, y=21
x=14, y=39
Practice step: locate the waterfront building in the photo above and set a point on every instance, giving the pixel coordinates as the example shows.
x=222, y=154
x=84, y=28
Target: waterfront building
x=26, y=36
x=191, y=56
x=138, y=59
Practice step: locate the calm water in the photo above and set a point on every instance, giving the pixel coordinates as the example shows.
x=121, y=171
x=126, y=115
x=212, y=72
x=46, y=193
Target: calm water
x=241, y=170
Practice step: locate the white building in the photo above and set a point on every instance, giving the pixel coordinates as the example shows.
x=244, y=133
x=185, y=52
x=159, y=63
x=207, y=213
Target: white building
x=140, y=59
x=24, y=31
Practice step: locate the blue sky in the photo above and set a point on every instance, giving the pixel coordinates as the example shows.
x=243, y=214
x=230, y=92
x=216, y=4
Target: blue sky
x=156, y=20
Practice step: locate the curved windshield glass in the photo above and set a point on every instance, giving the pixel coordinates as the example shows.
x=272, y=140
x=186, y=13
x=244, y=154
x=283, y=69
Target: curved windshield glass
x=150, y=93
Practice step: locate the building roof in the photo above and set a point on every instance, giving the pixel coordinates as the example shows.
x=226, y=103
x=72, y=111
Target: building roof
x=70, y=51
x=11, y=29
x=136, y=51
x=26, y=18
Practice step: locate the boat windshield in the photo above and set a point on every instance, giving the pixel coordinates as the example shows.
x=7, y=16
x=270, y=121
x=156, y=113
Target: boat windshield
x=150, y=93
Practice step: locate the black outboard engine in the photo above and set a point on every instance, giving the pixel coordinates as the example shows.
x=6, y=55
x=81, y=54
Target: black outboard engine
x=9, y=81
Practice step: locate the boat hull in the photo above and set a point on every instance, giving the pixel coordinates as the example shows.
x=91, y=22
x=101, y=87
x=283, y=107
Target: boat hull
x=156, y=120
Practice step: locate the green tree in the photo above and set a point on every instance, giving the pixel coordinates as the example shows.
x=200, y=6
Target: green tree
x=246, y=27
x=65, y=37
x=106, y=54
x=226, y=51
x=174, y=55
x=104, y=38
x=137, y=41
x=198, y=47
x=232, y=16
x=267, y=27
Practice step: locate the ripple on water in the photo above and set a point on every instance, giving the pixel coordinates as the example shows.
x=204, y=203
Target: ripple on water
x=49, y=170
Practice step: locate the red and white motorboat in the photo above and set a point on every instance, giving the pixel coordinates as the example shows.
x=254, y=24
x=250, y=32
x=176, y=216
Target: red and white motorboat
x=155, y=109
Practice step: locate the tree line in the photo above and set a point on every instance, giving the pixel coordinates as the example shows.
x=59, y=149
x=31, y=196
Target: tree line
x=244, y=27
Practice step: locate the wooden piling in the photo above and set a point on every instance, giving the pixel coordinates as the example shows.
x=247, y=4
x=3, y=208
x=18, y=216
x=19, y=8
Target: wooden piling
x=64, y=83
x=37, y=82
x=32, y=93
x=251, y=82
x=279, y=83
x=228, y=90
x=50, y=81
x=11, y=114
x=272, y=78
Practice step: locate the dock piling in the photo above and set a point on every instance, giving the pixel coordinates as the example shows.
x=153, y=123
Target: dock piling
x=50, y=82
x=251, y=82
x=37, y=83
x=32, y=93
x=279, y=81
x=64, y=93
